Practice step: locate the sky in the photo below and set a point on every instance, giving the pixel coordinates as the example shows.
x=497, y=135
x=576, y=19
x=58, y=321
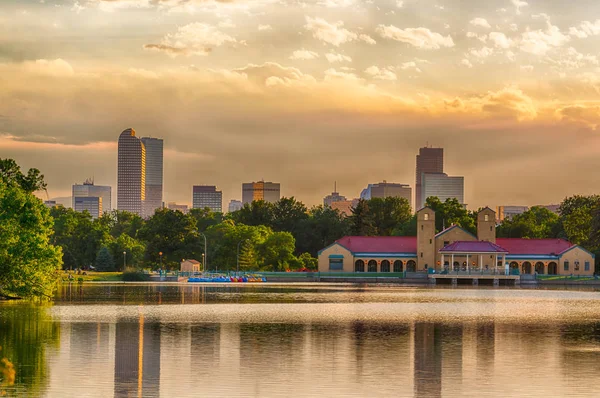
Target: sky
x=306, y=93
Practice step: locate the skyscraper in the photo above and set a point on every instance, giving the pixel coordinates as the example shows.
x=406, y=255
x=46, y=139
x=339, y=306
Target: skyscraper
x=443, y=187
x=131, y=173
x=334, y=197
x=429, y=160
x=261, y=190
x=154, y=175
x=88, y=189
x=204, y=196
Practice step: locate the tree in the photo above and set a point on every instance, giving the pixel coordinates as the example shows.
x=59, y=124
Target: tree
x=133, y=248
x=323, y=226
x=172, y=233
x=11, y=174
x=28, y=261
x=258, y=212
x=288, y=213
x=451, y=212
x=104, y=260
x=389, y=213
x=206, y=218
x=535, y=223
x=278, y=251
x=361, y=220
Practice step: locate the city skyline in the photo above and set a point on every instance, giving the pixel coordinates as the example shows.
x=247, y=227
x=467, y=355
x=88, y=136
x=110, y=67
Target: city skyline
x=307, y=93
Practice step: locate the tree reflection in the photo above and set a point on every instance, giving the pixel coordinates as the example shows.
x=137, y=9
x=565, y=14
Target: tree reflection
x=25, y=332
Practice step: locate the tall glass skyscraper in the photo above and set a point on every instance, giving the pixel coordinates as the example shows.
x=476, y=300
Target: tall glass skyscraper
x=131, y=173
x=154, y=175
x=429, y=160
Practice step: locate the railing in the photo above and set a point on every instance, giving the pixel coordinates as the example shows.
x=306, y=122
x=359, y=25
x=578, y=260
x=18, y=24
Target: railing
x=475, y=272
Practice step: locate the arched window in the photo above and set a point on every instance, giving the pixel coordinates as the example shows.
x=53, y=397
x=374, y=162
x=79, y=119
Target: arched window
x=359, y=266
x=385, y=266
x=372, y=266
x=411, y=266
x=398, y=266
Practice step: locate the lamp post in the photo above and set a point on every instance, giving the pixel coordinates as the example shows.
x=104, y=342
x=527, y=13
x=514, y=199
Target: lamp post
x=160, y=255
x=238, y=253
x=205, y=254
x=203, y=266
x=124, y=260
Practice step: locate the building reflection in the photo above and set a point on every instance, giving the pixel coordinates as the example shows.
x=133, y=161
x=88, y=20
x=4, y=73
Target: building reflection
x=427, y=360
x=137, y=359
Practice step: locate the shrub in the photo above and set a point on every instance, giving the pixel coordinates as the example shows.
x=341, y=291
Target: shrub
x=134, y=275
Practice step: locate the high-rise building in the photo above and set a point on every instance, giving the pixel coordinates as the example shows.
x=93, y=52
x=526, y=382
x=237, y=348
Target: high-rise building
x=443, y=187
x=508, y=212
x=174, y=206
x=235, y=205
x=93, y=204
x=387, y=189
x=344, y=206
x=154, y=175
x=50, y=203
x=88, y=189
x=204, y=196
x=334, y=197
x=261, y=190
x=131, y=173
x=429, y=160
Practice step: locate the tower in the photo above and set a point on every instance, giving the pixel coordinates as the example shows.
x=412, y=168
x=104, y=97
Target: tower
x=425, y=239
x=486, y=225
x=131, y=173
x=154, y=175
x=429, y=160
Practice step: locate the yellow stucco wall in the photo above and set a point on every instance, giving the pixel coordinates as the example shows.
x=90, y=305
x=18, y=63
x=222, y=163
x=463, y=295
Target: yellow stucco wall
x=573, y=255
x=339, y=250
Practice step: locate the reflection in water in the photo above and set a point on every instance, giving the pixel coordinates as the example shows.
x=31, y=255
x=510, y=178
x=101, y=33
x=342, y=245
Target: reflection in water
x=26, y=332
x=416, y=344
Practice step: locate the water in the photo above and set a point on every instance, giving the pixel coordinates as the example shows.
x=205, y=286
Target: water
x=303, y=340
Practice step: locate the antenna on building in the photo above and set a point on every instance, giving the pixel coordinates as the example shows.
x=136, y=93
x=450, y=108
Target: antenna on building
x=335, y=186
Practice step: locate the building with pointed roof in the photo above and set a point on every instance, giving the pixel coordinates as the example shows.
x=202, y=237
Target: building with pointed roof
x=455, y=249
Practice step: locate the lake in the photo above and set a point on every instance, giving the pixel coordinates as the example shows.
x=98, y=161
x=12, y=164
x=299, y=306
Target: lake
x=302, y=340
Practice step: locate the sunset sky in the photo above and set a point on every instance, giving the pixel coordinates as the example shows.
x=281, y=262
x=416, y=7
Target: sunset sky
x=307, y=92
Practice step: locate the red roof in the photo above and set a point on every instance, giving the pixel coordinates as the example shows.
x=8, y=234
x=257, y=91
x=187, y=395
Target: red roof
x=534, y=246
x=473, y=247
x=379, y=244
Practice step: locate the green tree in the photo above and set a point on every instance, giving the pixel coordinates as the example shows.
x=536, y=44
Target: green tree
x=361, y=220
x=323, y=226
x=451, y=212
x=309, y=262
x=288, y=213
x=28, y=261
x=535, y=223
x=205, y=218
x=172, y=233
x=278, y=251
x=11, y=174
x=258, y=212
x=104, y=260
x=389, y=214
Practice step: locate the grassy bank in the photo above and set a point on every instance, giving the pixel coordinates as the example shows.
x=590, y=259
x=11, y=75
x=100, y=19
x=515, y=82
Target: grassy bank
x=92, y=276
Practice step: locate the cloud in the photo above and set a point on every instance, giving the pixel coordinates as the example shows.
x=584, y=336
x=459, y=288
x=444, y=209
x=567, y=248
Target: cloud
x=500, y=40
x=57, y=67
x=332, y=33
x=466, y=62
x=518, y=5
x=367, y=39
x=539, y=42
x=335, y=75
x=192, y=39
x=399, y=3
x=336, y=3
x=480, y=22
x=481, y=53
x=263, y=28
x=417, y=37
x=304, y=54
x=334, y=57
x=510, y=101
x=585, y=114
x=410, y=65
x=272, y=74
x=586, y=29
x=381, y=73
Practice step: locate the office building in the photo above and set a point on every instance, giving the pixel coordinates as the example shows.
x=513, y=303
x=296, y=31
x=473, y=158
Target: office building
x=154, y=175
x=93, y=205
x=235, y=205
x=443, y=187
x=261, y=190
x=429, y=160
x=131, y=173
x=387, y=189
x=50, y=203
x=508, y=212
x=334, y=197
x=175, y=207
x=344, y=206
x=88, y=189
x=207, y=196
